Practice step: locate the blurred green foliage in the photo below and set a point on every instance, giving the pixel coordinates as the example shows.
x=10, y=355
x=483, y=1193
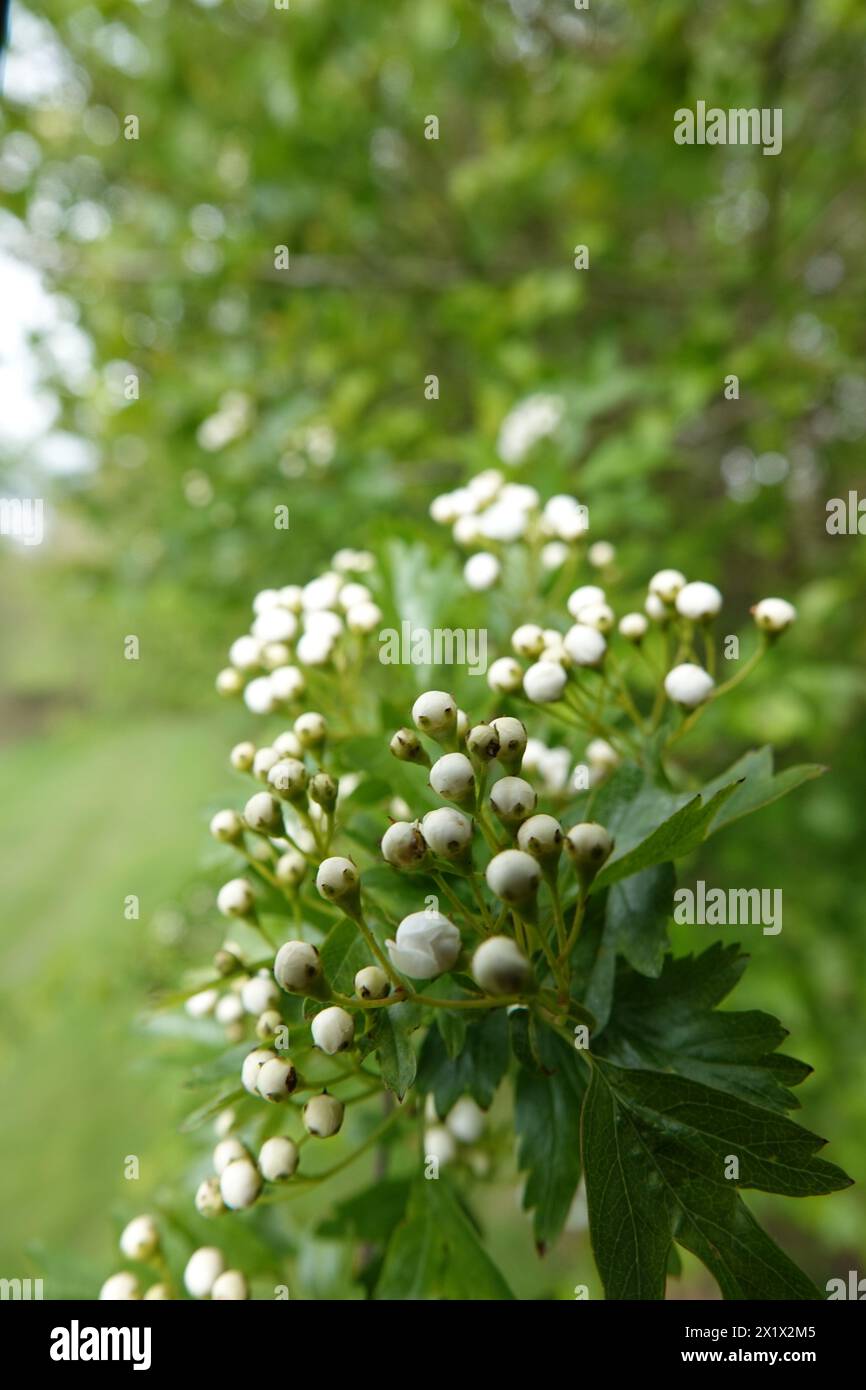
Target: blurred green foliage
x=259, y=388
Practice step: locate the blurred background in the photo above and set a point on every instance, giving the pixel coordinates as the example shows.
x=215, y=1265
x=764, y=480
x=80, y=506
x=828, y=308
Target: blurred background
x=164, y=386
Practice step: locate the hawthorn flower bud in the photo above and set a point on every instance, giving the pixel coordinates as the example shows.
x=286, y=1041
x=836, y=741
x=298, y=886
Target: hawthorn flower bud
x=544, y=682
x=229, y=1010
x=601, y=555
x=453, y=777
x=158, y=1292
x=140, y=1238
x=500, y=967
x=371, y=982
x=586, y=594
x=228, y=1151
x=528, y=640
x=513, y=799
x=289, y=778
x=276, y=1080
x=236, y=898
x=268, y=1024
x=602, y=756
x=482, y=742
x=589, y=845
x=466, y=1120
x=598, y=615
x=259, y=993
x=244, y=653
x=427, y=945
x=208, y=1198
x=288, y=745
x=505, y=676
x=447, y=832
x=242, y=756
x=666, y=584
x=290, y=868
x=408, y=748
x=689, y=685
x=333, y=1030
x=541, y=836
x=698, y=601
x=512, y=739
x=403, y=845
x=264, y=760
x=229, y=682
x=633, y=627
x=275, y=625
x=263, y=815
x=201, y=1004
x=278, y=1158
x=311, y=729
x=323, y=791
x=364, y=617
x=225, y=962
x=297, y=966
x=203, y=1268
x=584, y=645
x=655, y=609
x=435, y=713
x=323, y=1115
x=774, y=615
x=338, y=880
x=275, y=656
x=231, y=1284
x=240, y=1183
x=287, y=684
x=554, y=555
x=513, y=876
x=439, y=1144
x=252, y=1065
x=120, y=1288
x=481, y=571
x=227, y=826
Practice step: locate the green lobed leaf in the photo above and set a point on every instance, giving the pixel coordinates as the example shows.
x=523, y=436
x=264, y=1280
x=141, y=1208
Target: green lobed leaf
x=637, y=914
x=678, y=835
x=758, y=784
x=389, y=1036
x=547, y=1122
x=477, y=1071
x=435, y=1252
x=343, y=953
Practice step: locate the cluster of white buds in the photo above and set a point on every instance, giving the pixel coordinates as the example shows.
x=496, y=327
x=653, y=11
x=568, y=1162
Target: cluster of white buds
x=205, y=1274
x=300, y=626
x=462, y=1128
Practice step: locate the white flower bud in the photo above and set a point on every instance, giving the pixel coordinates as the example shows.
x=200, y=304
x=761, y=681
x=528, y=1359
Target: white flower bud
x=439, y=1144
x=505, y=676
x=140, y=1238
x=278, y=1159
x=263, y=815
x=500, y=967
x=240, y=1183
x=290, y=868
x=333, y=1030
x=364, y=618
x=554, y=555
x=512, y=739
x=264, y=760
x=277, y=625
x=528, y=640
x=482, y=742
x=544, y=682
x=513, y=876
x=291, y=596
x=633, y=627
x=289, y=778
x=323, y=1115
x=227, y=826
x=513, y=799
x=466, y=1120
x=120, y=1288
x=601, y=755
x=667, y=584
x=236, y=898
x=598, y=615
x=209, y=1199
x=252, y=1065
x=541, y=836
x=656, y=610
x=403, y=845
x=447, y=832
x=297, y=966
x=229, y=1010
x=231, y=1284
x=481, y=571
x=582, y=597
x=689, y=685
x=322, y=592
x=258, y=994
x=268, y=1024
x=589, y=845
x=371, y=982
x=337, y=879
x=314, y=648
x=242, y=756
x=201, y=1004
x=202, y=1270
x=601, y=554
x=584, y=645
x=774, y=614
x=311, y=729
x=259, y=696
x=228, y=1151
x=274, y=656
x=229, y=682
x=287, y=684
x=435, y=713
x=698, y=601
x=244, y=653
x=564, y=517
x=427, y=945
x=158, y=1292
x=453, y=777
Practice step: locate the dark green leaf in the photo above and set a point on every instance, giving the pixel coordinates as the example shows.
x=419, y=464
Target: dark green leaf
x=758, y=785
x=677, y=836
x=435, y=1252
x=344, y=953
x=638, y=909
x=389, y=1036
x=547, y=1121
x=476, y=1072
